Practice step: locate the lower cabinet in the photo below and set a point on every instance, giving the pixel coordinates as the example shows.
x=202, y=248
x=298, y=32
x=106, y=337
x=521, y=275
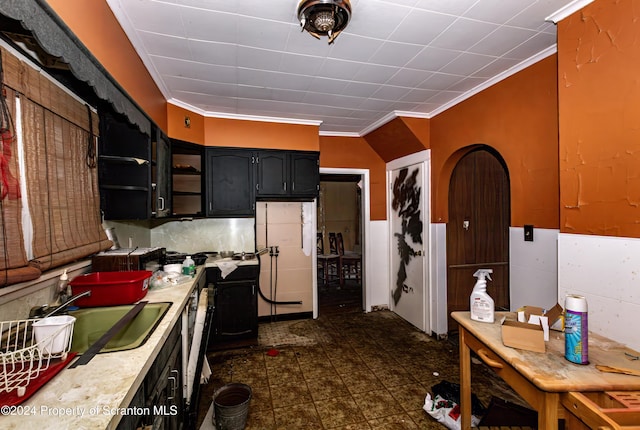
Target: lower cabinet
x=235, y=299
x=159, y=402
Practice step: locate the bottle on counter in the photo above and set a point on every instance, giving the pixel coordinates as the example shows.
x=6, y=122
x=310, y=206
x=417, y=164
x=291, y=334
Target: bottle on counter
x=481, y=304
x=189, y=267
x=64, y=290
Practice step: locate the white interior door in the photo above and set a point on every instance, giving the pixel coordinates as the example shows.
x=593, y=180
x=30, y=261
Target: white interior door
x=408, y=244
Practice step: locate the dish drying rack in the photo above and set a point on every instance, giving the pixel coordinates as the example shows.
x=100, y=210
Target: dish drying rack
x=23, y=357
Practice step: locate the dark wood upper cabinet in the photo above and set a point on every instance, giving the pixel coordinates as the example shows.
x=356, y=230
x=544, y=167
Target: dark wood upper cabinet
x=124, y=174
x=287, y=174
x=230, y=182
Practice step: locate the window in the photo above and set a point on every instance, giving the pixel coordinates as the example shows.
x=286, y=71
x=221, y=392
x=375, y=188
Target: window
x=56, y=218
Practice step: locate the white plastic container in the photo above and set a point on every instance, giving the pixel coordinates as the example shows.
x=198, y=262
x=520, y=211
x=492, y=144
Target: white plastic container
x=480, y=303
x=189, y=266
x=53, y=334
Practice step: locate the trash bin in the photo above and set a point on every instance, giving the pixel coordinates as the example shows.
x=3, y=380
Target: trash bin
x=231, y=406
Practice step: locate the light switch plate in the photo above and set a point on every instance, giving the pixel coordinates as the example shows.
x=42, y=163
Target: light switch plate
x=528, y=233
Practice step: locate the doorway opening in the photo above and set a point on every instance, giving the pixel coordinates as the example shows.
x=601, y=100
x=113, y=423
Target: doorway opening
x=478, y=229
x=340, y=226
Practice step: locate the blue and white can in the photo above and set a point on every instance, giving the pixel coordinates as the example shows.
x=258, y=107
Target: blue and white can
x=576, y=330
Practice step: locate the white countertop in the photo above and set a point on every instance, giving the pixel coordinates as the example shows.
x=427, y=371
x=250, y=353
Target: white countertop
x=90, y=396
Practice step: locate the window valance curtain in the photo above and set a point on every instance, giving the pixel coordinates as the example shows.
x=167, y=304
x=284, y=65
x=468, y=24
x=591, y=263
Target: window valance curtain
x=56, y=38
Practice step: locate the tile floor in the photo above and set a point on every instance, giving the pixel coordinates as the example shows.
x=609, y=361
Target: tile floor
x=352, y=370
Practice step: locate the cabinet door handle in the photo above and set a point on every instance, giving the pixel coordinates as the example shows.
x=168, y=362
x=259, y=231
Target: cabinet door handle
x=174, y=384
x=293, y=186
x=160, y=203
x=284, y=186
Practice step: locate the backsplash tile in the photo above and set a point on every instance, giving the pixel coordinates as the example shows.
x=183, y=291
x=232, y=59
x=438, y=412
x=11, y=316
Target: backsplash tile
x=211, y=234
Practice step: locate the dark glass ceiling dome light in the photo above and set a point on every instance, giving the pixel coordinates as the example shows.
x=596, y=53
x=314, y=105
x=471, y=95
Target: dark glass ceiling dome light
x=324, y=17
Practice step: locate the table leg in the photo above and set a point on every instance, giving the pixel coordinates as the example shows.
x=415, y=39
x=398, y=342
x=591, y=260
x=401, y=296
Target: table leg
x=548, y=411
x=465, y=382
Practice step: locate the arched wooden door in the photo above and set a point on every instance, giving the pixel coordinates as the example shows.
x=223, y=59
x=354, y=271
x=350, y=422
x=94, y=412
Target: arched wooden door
x=478, y=229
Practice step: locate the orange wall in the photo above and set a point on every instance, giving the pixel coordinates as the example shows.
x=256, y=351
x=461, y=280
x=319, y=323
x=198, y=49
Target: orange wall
x=599, y=103
x=399, y=137
x=94, y=24
x=258, y=134
x=519, y=118
x=355, y=153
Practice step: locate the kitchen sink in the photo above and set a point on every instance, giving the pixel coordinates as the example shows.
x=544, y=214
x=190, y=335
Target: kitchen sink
x=92, y=323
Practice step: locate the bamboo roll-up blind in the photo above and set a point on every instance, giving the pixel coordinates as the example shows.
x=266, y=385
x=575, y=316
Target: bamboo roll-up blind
x=62, y=189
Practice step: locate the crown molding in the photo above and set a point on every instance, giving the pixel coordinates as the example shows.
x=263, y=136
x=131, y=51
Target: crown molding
x=223, y=115
x=567, y=10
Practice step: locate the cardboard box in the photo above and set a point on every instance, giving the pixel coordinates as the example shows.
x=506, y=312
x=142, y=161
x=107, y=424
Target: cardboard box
x=523, y=335
x=554, y=316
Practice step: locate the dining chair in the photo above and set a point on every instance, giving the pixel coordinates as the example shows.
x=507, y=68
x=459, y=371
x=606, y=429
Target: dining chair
x=350, y=262
x=328, y=264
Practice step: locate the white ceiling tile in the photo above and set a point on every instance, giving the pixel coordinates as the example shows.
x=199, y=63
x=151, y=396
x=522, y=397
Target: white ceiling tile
x=466, y=84
x=300, y=64
x=254, y=58
x=432, y=59
x=467, y=64
x=388, y=92
x=194, y=70
x=374, y=73
x=320, y=85
x=457, y=7
x=223, y=54
x=162, y=21
x=198, y=24
x=250, y=58
x=338, y=69
x=409, y=77
x=376, y=19
x=418, y=95
x=496, y=67
x=262, y=33
x=421, y=27
x=463, y=34
x=440, y=81
x=166, y=46
x=534, y=15
x=360, y=89
x=496, y=11
x=502, y=40
x=537, y=43
x=354, y=48
x=395, y=54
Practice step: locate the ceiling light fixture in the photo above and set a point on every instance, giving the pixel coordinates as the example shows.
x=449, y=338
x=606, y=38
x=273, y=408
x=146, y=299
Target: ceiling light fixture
x=324, y=17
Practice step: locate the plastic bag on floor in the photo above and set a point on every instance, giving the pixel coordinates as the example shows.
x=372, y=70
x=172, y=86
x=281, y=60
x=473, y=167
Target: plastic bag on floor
x=446, y=412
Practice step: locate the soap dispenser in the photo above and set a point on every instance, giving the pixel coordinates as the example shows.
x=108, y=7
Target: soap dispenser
x=481, y=304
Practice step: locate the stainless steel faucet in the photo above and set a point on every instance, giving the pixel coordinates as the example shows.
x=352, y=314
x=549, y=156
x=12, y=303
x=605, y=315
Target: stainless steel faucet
x=43, y=311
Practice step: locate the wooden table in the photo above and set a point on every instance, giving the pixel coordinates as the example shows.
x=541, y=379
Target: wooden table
x=540, y=378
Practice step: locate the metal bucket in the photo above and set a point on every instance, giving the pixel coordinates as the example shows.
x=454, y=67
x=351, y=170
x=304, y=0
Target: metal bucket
x=231, y=406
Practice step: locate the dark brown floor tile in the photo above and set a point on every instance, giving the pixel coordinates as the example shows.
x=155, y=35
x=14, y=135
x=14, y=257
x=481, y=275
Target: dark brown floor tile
x=425, y=421
x=284, y=357
x=310, y=354
x=260, y=398
x=394, y=422
x=393, y=376
x=338, y=412
x=260, y=420
x=297, y=417
x=356, y=426
x=361, y=381
x=319, y=369
x=285, y=374
x=410, y=397
x=327, y=388
x=290, y=394
x=347, y=363
x=377, y=404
